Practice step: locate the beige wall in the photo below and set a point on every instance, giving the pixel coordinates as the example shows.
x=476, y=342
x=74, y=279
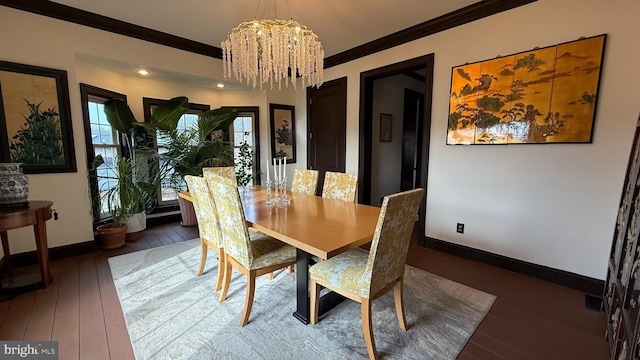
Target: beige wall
x=388, y=98
x=88, y=55
x=553, y=205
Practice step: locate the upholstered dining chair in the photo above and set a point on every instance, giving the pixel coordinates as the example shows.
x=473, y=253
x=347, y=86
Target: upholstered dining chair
x=340, y=186
x=228, y=175
x=304, y=181
x=208, y=225
x=251, y=257
x=362, y=275
x=227, y=172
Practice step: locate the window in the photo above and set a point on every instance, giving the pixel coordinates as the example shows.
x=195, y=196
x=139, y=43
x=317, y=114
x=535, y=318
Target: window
x=167, y=194
x=243, y=131
x=100, y=139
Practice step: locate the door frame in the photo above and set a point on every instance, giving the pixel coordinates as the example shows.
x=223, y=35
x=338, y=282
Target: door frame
x=366, y=127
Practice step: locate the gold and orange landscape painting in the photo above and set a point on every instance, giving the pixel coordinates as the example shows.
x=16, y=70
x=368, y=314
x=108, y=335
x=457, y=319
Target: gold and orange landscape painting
x=545, y=95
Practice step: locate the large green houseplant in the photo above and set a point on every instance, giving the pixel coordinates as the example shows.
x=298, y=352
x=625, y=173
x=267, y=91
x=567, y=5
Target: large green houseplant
x=187, y=151
x=123, y=200
x=184, y=152
x=135, y=177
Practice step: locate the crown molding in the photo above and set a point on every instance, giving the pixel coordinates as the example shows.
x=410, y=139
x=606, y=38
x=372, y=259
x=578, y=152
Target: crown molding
x=447, y=21
x=459, y=17
x=82, y=17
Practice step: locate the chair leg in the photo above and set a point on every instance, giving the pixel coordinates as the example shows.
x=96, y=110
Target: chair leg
x=248, y=301
x=221, y=266
x=270, y=276
x=367, y=329
x=227, y=279
x=203, y=257
x=315, y=295
x=397, y=295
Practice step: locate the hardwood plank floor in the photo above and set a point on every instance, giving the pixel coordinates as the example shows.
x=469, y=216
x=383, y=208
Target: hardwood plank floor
x=531, y=319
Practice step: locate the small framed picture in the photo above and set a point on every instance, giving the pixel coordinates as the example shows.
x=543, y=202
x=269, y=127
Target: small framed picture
x=385, y=127
x=283, y=130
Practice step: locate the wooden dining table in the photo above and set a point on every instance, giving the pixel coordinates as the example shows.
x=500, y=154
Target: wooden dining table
x=315, y=226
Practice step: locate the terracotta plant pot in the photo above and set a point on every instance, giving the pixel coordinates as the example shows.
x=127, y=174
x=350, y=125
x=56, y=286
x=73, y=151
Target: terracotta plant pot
x=112, y=237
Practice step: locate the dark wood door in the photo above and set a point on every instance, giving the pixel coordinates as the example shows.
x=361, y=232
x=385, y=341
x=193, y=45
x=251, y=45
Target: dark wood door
x=327, y=128
x=412, y=119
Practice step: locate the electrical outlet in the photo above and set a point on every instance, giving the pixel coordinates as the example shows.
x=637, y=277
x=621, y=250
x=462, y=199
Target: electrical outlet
x=460, y=228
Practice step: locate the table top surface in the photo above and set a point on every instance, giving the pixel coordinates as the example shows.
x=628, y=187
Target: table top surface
x=32, y=206
x=319, y=226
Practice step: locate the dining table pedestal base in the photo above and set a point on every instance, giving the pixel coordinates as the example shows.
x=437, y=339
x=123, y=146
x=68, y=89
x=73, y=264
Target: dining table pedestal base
x=327, y=301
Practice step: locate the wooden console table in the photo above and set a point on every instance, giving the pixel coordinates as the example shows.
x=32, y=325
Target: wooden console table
x=36, y=214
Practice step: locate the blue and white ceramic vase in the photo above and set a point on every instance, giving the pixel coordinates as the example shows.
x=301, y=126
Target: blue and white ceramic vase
x=14, y=185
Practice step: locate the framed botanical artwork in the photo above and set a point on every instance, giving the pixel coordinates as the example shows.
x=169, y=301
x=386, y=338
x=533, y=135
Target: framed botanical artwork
x=283, y=130
x=35, y=119
x=545, y=95
x=385, y=127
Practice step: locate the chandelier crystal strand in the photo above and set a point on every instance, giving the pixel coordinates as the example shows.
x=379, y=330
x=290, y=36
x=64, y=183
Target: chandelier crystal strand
x=264, y=51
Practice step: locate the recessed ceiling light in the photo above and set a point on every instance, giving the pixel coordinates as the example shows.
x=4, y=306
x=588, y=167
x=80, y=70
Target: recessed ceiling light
x=143, y=72
x=220, y=85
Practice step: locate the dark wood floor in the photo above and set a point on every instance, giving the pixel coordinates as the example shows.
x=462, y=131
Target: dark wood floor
x=531, y=319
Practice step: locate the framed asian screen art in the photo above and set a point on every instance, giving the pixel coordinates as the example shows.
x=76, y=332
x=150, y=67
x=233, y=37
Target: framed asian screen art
x=546, y=95
x=283, y=130
x=35, y=119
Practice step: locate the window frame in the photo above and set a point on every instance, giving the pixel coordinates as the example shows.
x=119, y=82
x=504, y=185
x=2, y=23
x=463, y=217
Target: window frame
x=87, y=91
x=147, y=103
x=256, y=138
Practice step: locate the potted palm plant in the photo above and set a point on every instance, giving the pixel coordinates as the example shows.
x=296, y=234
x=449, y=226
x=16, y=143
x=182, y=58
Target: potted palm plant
x=186, y=152
x=122, y=200
x=136, y=176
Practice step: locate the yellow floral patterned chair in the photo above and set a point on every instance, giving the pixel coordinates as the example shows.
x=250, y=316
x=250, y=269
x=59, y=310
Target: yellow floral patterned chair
x=208, y=225
x=304, y=181
x=340, y=186
x=251, y=257
x=227, y=172
x=362, y=275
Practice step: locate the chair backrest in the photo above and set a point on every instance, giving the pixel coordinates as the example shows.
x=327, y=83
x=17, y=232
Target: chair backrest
x=205, y=208
x=388, y=251
x=304, y=181
x=233, y=227
x=340, y=186
x=227, y=172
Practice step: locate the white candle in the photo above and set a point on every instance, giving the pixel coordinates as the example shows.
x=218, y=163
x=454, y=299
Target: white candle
x=275, y=170
x=285, y=167
x=280, y=168
x=267, y=170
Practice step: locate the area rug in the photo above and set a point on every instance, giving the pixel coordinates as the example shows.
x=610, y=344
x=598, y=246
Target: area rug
x=172, y=314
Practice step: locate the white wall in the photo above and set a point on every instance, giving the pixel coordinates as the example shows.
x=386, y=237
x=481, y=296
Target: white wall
x=386, y=164
x=41, y=41
x=553, y=205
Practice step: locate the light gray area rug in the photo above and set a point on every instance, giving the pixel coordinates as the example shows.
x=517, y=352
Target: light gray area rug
x=172, y=314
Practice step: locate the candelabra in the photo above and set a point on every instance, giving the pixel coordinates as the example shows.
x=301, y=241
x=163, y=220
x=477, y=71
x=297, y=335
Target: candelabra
x=270, y=200
x=278, y=197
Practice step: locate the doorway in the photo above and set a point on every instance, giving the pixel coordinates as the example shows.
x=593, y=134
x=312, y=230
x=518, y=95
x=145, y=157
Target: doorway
x=412, y=67
x=327, y=128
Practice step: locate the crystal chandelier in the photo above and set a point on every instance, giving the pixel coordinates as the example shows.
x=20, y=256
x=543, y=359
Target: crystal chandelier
x=266, y=50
